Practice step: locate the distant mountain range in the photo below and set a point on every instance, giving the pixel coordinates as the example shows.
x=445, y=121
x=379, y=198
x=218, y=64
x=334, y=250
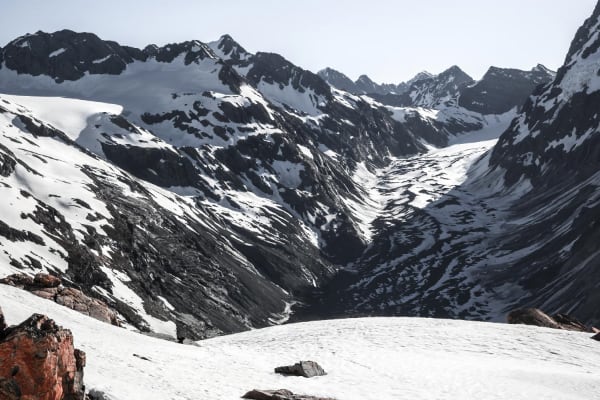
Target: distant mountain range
x=497, y=92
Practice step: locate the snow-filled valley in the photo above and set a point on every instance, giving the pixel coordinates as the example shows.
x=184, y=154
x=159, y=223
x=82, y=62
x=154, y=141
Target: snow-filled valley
x=368, y=358
x=227, y=212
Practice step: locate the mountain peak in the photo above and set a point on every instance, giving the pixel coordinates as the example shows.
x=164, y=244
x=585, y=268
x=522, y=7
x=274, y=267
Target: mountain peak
x=418, y=77
x=364, y=78
x=228, y=49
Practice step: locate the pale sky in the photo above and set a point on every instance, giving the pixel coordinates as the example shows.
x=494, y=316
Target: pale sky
x=389, y=40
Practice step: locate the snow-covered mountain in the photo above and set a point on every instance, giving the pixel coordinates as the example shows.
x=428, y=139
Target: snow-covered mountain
x=365, y=85
x=365, y=359
x=501, y=89
x=201, y=189
x=520, y=230
x=252, y=157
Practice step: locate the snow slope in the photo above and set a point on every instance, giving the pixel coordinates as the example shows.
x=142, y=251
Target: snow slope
x=370, y=358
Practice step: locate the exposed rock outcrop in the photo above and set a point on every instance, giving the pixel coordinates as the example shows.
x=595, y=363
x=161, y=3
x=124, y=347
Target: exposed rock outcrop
x=281, y=394
x=39, y=362
x=534, y=316
x=50, y=287
x=307, y=369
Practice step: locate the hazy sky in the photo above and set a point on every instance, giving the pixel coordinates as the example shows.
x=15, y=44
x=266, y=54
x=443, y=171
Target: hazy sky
x=390, y=40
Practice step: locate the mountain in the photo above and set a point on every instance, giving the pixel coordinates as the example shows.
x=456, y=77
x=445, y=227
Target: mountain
x=501, y=89
x=204, y=194
x=338, y=80
x=431, y=91
x=365, y=85
x=519, y=231
x=200, y=189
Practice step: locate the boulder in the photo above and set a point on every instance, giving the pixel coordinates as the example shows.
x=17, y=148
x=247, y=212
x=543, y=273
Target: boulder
x=18, y=280
x=38, y=361
x=281, y=394
x=534, y=316
x=570, y=323
x=46, y=280
x=77, y=300
x=531, y=316
x=596, y=337
x=307, y=369
x=50, y=287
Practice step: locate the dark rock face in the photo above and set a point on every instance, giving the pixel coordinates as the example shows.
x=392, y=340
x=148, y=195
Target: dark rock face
x=67, y=56
x=38, y=361
x=433, y=91
x=338, y=80
x=274, y=69
x=502, y=89
x=231, y=48
x=365, y=85
x=307, y=369
x=281, y=394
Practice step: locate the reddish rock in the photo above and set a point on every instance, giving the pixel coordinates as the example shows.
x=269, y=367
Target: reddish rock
x=18, y=280
x=78, y=301
x=46, y=280
x=39, y=359
x=49, y=287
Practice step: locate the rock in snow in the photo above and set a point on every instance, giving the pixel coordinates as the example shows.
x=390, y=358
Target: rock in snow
x=534, y=316
x=281, y=394
x=38, y=362
x=307, y=369
x=49, y=287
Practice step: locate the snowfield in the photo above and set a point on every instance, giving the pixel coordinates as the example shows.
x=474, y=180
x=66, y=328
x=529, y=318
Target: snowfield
x=367, y=358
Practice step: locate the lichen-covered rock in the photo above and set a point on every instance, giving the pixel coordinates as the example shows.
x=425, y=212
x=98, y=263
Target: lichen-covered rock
x=307, y=369
x=38, y=359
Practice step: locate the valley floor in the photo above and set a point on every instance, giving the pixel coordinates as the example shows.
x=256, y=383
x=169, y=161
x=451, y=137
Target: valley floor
x=374, y=358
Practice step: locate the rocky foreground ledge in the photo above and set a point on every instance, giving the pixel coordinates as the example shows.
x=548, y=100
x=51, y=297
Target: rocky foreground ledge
x=39, y=362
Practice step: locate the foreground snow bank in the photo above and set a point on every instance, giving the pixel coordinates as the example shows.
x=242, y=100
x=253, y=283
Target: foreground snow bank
x=369, y=358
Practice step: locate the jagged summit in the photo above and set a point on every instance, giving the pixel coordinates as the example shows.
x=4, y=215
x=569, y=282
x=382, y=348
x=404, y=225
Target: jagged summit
x=68, y=56
x=228, y=49
x=502, y=89
x=543, y=69
x=420, y=76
